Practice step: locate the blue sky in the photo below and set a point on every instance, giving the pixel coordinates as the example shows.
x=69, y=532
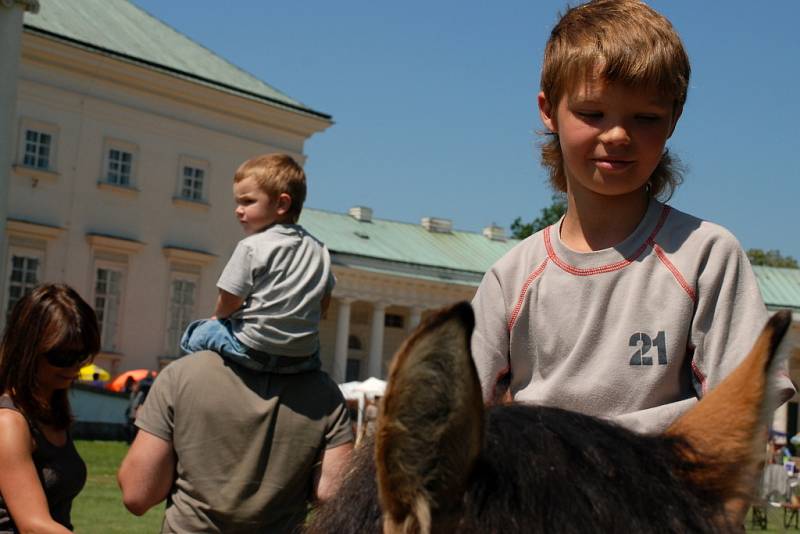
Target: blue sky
x=435, y=111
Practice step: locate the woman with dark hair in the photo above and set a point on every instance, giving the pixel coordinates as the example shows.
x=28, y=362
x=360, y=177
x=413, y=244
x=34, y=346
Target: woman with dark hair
x=50, y=334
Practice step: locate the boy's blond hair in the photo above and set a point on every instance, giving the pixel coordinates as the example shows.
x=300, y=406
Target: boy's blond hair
x=616, y=41
x=276, y=174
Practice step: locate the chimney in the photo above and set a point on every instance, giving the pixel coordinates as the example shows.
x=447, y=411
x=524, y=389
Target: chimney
x=439, y=226
x=495, y=233
x=361, y=213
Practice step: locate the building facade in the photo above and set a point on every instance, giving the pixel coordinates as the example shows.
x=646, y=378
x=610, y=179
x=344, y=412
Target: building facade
x=124, y=139
x=123, y=146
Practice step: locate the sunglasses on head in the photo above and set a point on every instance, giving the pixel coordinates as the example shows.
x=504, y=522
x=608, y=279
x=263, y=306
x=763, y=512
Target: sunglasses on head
x=66, y=358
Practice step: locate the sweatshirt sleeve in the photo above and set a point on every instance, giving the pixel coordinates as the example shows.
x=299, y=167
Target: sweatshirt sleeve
x=729, y=317
x=490, y=340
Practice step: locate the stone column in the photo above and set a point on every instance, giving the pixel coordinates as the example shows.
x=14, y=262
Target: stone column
x=11, y=14
x=414, y=317
x=342, y=336
x=375, y=364
x=780, y=419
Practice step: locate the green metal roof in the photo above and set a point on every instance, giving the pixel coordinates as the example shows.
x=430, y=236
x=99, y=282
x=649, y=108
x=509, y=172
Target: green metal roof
x=407, y=244
x=407, y=249
x=121, y=29
x=780, y=287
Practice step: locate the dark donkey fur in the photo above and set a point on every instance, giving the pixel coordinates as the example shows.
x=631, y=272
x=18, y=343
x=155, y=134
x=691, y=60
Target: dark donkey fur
x=443, y=463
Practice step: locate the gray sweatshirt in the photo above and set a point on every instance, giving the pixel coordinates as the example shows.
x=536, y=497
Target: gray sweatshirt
x=636, y=333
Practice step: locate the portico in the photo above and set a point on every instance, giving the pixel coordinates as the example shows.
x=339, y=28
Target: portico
x=371, y=314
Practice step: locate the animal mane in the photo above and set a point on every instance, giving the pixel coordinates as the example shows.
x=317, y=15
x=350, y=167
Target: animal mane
x=550, y=470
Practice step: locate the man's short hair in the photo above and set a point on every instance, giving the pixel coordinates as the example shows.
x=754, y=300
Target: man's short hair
x=276, y=174
x=616, y=41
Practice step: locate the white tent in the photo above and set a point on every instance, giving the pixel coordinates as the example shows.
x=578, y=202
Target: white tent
x=370, y=388
x=349, y=391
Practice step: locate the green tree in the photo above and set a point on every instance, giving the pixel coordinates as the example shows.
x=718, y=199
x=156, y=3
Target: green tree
x=771, y=258
x=551, y=214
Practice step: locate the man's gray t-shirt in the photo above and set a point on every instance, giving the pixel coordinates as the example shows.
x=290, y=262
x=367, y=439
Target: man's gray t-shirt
x=283, y=273
x=246, y=443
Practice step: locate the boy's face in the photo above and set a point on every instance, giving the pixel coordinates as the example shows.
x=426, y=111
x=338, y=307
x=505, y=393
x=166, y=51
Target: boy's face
x=255, y=210
x=612, y=136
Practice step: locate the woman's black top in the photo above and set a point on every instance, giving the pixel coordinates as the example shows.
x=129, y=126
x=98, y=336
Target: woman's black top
x=61, y=472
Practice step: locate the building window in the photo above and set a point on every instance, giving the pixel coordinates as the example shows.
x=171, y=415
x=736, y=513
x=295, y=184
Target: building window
x=192, y=183
x=353, y=371
x=353, y=342
x=393, y=320
x=38, y=147
x=107, y=300
x=110, y=270
x=181, y=311
x=23, y=277
x=26, y=259
x=119, y=167
x=185, y=275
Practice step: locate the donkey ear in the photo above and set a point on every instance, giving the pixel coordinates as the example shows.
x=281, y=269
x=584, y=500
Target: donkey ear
x=727, y=429
x=431, y=426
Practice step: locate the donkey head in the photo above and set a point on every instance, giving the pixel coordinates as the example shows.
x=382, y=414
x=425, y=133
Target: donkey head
x=442, y=462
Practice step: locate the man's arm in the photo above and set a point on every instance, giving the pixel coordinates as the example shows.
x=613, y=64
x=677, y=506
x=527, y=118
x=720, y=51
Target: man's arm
x=227, y=303
x=147, y=472
x=329, y=475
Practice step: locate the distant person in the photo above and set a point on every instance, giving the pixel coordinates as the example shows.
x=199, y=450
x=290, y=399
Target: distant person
x=51, y=333
x=626, y=308
x=370, y=422
x=277, y=284
x=236, y=450
x=97, y=381
x=129, y=384
x=137, y=398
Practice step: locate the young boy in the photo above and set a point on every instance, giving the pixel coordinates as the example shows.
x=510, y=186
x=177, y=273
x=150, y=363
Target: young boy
x=278, y=282
x=626, y=308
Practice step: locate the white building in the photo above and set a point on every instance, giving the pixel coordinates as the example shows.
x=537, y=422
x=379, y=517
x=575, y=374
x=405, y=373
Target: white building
x=124, y=140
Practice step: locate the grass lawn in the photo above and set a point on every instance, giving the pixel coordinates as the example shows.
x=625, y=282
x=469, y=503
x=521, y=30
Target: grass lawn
x=99, y=509
x=774, y=522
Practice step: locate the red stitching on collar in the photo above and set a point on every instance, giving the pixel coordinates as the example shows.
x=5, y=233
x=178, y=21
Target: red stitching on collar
x=577, y=271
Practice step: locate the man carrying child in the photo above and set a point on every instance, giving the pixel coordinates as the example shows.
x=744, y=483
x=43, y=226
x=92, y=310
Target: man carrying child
x=241, y=438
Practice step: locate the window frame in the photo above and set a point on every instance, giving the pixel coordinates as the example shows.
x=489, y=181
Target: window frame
x=50, y=172
x=27, y=237
x=172, y=337
x=110, y=252
x=394, y=320
x=196, y=164
x=351, y=363
x=187, y=264
x=122, y=146
x=106, y=345
x=26, y=252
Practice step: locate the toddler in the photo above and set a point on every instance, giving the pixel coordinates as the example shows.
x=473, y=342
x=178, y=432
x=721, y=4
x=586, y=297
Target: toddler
x=278, y=282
